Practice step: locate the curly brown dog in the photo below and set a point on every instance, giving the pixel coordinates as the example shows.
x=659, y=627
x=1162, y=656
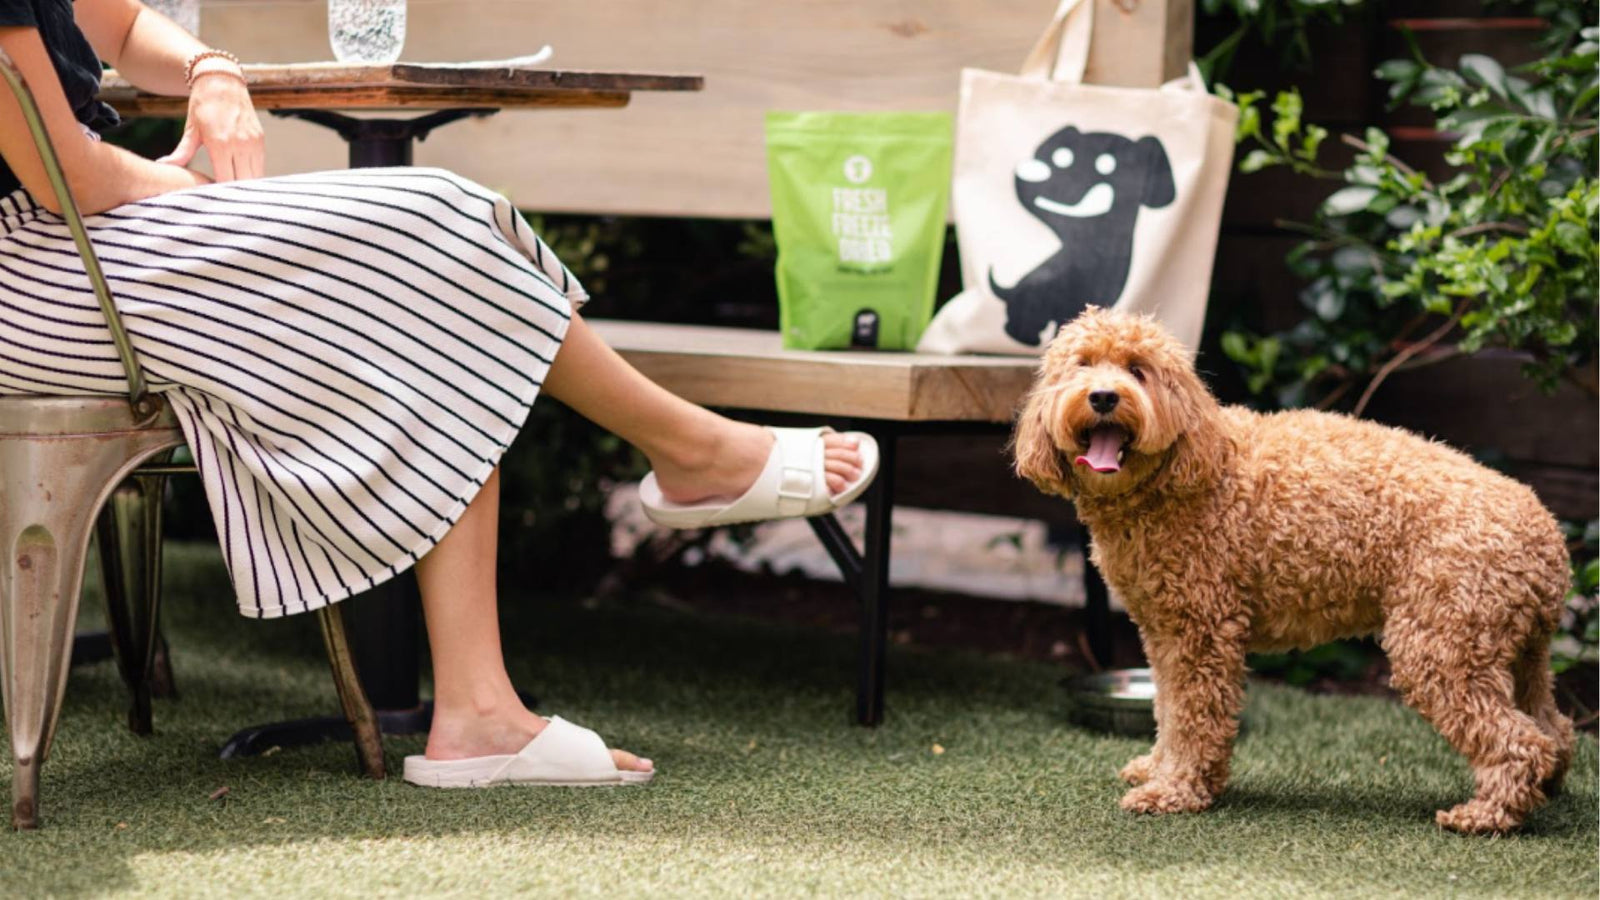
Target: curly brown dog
x=1226, y=531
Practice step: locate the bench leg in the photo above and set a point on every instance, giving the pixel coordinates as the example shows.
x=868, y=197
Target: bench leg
x=867, y=576
x=129, y=535
x=874, y=589
x=1096, y=609
x=51, y=489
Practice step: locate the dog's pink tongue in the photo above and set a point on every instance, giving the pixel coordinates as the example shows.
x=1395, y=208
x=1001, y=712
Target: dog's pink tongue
x=1104, y=445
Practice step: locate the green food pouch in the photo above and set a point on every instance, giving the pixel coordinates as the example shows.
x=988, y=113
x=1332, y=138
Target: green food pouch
x=858, y=211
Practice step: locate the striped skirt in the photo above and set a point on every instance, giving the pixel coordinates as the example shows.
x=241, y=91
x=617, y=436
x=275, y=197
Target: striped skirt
x=349, y=354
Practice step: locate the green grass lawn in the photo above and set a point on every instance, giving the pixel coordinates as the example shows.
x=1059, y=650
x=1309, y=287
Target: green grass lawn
x=764, y=787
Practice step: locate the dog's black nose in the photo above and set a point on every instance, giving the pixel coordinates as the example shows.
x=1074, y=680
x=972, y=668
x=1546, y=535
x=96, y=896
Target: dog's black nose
x=1102, y=402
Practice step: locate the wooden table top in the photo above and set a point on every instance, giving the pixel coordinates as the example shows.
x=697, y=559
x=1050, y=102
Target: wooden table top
x=412, y=86
x=740, y=368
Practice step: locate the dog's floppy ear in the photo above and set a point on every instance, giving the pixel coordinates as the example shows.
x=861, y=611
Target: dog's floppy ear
x=1158, y=189
x=1192, y=413
x=1036, y=455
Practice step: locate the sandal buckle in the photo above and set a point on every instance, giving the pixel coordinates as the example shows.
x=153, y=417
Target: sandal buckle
x=796, y=484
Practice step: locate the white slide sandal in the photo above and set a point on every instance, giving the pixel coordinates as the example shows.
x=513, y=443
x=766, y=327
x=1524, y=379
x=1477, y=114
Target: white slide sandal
x=794, y=483
x=562, y=755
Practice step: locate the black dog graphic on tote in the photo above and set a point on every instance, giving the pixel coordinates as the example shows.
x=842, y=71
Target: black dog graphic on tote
x=1088, y=188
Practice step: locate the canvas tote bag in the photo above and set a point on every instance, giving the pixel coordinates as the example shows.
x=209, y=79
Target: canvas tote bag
x=1068, y=195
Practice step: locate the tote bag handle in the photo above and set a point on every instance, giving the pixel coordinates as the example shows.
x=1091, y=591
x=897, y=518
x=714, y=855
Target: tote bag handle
x=1063, y=50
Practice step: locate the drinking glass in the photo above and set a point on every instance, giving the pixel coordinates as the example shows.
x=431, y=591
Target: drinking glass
x=367, y=31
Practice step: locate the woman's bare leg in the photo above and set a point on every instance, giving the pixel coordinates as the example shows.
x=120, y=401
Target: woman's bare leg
x=476, y=711
x=696, y=454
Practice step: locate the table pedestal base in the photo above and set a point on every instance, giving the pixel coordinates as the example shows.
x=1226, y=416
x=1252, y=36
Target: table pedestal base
x=381, y=142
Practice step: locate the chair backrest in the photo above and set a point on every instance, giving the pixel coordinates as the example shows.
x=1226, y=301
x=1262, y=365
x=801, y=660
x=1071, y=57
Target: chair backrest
x=144, y=406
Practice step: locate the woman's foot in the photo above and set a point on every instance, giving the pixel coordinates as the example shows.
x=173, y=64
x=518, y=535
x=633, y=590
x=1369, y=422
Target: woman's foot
x=731, y=457
x=500, y=730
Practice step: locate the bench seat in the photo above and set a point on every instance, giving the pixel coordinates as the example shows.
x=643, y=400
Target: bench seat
x=742, y=368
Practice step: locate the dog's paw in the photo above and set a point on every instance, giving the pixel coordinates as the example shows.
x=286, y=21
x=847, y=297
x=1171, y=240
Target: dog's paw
x=1166, y=796
x=1478, y=817
x=1139, y=769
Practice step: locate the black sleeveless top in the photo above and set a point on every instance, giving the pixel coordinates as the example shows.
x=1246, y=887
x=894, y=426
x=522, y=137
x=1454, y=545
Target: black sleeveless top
x=76, y=63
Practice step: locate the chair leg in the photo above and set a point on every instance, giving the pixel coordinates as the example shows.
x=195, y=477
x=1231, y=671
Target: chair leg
x=51, y=489
x=363, y=721
x=129, y=535
x=162, y=684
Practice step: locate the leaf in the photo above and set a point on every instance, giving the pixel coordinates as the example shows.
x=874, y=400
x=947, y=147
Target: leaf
x=1314, y=136
x=1269, y=348
x=1348, y=201
x=1586, y=99
x=1258, y=159
x=1330, y=305
x=1540, y=102
x=1249, y=122
x=1238, y=350
x=1485, y=72
x=1287, y=108
x=1396, y=70
x=1571, y=237
x=1403, y=217
x=1378, y=141
x=1561, y=335
x=1352, y=262
x=1362, y=173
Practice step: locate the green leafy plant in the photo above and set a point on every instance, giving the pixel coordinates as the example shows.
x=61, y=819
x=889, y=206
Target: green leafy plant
x=1501, y=253
x=1577, y=639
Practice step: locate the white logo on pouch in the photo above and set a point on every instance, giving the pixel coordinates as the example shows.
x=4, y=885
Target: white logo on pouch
x=861, y=223
x=861, y=217
x=857, y=169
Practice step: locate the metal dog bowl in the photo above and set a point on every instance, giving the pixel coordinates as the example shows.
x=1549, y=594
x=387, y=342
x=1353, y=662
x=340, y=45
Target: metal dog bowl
x=1120, y=701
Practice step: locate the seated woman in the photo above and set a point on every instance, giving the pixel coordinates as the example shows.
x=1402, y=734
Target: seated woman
x=349, y=354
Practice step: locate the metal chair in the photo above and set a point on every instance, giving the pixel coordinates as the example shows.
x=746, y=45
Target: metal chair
x=61, y=458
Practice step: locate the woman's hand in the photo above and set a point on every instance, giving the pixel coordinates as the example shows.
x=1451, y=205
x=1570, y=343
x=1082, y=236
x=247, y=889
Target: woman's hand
x=223, y=120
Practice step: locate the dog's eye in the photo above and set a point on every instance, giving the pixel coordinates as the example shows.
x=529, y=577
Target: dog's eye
x=1062, y=157
x=1105, y=164
x=1033, y=171
x=1137, y=372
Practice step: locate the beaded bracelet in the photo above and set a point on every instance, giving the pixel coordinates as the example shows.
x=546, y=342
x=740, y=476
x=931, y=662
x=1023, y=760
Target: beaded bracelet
x=196, y=59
